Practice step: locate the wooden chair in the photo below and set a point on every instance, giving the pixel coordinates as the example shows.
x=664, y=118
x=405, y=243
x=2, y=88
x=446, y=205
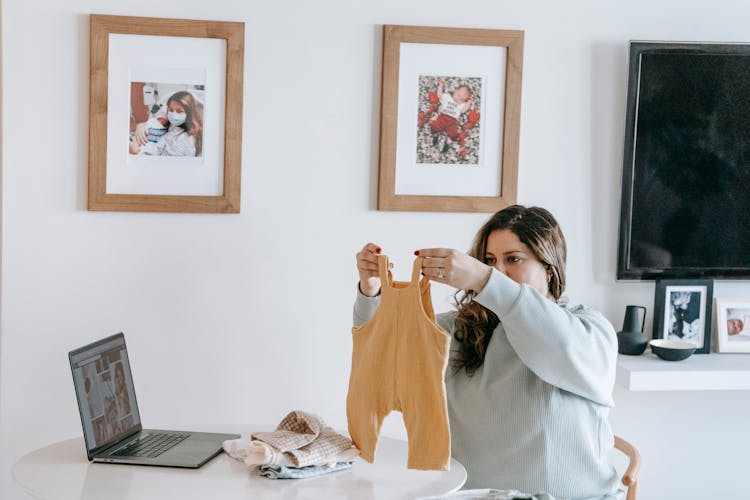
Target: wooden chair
x=630, y=477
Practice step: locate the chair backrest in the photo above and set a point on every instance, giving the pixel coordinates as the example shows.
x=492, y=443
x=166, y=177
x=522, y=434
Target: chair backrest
x=630, y=477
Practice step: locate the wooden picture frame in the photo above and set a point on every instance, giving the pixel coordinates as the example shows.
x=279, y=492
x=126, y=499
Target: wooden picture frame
x=733, y=324
x=440, y=156
x=126, y=54
x=682, y=311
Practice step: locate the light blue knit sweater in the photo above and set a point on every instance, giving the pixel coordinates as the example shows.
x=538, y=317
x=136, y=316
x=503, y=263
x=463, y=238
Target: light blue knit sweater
x=534, y=416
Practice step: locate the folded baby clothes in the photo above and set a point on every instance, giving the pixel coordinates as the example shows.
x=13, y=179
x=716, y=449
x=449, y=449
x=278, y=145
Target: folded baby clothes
x=300, y=440
x=282, y=472
x=305, y=440
x=255, y=453
x=260, y=453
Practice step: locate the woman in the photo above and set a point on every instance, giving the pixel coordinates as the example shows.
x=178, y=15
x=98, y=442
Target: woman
x=530, y=382
x=184, y=135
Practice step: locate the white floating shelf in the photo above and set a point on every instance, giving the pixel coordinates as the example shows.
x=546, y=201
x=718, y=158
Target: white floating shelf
x=700, y=372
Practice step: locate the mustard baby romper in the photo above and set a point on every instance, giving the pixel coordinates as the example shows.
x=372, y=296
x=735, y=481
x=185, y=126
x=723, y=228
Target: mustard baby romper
x=399, y=359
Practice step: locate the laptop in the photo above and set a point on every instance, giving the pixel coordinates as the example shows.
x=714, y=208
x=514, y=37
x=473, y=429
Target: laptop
x=109, y=413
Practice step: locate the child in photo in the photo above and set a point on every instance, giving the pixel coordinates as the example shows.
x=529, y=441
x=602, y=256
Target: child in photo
x=448, y=120
x=685, y=318
x=452, y=106
x=738, y=322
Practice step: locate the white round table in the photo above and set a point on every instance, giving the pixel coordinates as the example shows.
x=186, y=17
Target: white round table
x=61, y=471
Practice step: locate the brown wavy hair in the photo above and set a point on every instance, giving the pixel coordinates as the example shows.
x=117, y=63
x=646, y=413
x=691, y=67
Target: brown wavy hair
x=540, y=232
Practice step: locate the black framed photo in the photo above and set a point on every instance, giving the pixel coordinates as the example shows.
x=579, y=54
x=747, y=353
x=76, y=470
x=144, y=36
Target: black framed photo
x=682, y=311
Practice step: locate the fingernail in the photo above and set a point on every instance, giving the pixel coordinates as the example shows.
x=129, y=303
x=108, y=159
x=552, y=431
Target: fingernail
x=416, y=252
x=377, y=250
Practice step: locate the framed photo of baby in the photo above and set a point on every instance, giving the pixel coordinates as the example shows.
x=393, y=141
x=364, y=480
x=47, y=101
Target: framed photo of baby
x=450, y=114
x=448, y=121
x=682, y=311
x=164, y=86
x=733, y=324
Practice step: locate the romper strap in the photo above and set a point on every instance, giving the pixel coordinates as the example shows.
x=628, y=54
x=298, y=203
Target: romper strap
x=417, y=271
x=383, y=270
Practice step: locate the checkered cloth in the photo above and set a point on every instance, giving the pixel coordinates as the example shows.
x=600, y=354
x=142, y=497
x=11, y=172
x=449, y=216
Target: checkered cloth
x=305, y=439
x=281, y=472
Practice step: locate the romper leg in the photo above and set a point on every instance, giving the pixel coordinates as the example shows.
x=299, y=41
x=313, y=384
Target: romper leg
x=364, y=425
x=426, y=420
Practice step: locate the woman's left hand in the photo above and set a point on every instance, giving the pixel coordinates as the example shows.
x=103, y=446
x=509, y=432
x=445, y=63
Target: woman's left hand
x=454, y=268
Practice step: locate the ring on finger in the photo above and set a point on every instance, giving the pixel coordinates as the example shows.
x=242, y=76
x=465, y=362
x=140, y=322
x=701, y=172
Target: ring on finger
x=440, y=274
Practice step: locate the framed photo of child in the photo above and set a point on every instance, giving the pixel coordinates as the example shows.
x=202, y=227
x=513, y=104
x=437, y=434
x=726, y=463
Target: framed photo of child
x=733, y=324
x=682, y=311
x=450, y=116
x=161, y=138
x=448, y=121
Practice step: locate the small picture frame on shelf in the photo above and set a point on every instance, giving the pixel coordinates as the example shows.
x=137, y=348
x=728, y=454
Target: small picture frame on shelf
x=682, y=311
x=733, y=324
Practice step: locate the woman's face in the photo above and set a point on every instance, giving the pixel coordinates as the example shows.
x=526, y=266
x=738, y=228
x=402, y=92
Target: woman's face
x=507, y=254
x=176, y=113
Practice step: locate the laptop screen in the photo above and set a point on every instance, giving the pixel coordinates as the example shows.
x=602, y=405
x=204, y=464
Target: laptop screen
x=105, y=391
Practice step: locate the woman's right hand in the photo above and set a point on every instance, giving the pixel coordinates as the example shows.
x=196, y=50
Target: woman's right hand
x=367, y=265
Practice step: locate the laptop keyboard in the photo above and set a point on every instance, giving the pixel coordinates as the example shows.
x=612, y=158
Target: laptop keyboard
x=151, y=445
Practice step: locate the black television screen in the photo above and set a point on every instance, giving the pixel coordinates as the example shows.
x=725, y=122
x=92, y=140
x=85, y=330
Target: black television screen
x=686, y=172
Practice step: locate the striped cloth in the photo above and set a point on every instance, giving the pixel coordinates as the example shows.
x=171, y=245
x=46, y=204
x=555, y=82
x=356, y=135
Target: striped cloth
x=281, y=472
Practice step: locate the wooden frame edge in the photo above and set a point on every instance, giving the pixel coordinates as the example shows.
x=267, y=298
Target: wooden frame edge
x=101, y=26
x=393, y=36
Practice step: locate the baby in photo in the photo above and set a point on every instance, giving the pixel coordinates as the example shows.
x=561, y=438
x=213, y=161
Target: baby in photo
x=738, y=322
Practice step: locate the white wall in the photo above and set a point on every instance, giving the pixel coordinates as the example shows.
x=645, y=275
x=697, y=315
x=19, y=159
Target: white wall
x=241, y=318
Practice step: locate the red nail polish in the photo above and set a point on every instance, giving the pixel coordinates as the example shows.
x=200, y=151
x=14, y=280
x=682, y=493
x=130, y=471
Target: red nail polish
x=416, y=252
x=377, y=250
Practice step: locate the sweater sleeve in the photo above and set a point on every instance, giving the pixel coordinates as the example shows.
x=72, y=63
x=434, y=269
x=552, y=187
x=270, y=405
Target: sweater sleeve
x=364, y=307
x=447, y=321
x=572, y=349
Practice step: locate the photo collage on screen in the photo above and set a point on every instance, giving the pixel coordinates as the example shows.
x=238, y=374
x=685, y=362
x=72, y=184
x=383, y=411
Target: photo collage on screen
x=107, y=395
